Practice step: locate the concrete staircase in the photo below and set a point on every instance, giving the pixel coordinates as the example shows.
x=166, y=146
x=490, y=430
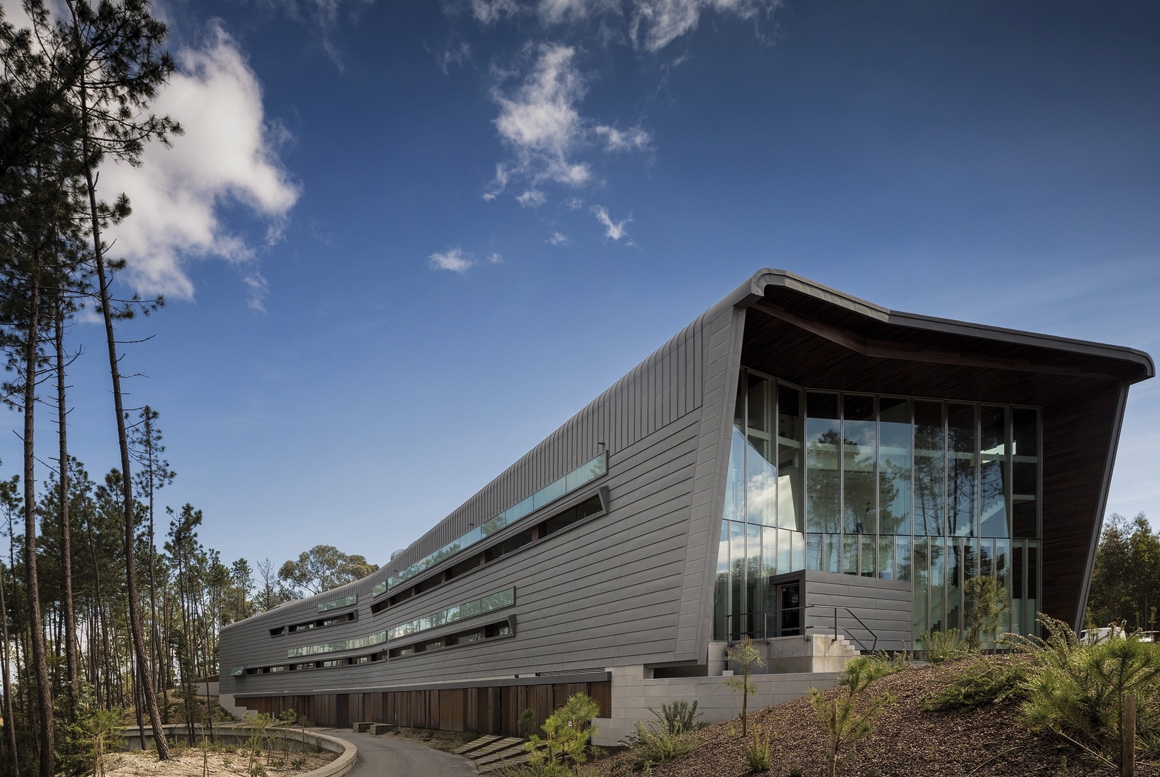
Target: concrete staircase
x=492, y=753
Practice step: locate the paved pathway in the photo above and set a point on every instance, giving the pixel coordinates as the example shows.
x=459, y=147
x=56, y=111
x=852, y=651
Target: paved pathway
x=390, y=756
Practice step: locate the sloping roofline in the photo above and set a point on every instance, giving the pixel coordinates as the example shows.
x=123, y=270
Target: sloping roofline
x=754, y=289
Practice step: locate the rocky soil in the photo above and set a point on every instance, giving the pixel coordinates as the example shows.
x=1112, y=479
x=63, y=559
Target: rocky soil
x=989, y=741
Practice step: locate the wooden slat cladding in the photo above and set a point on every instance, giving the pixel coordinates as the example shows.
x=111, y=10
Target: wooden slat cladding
x=490, y=710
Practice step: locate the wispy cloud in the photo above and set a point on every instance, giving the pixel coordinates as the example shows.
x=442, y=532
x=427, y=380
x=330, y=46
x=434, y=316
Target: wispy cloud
x=654, y=24
x=557, y=239
x=228, y=155
x=532, y=198
x=453, y=259
x=490, y=11
x=631, y=139
x=454, y=52
x=612, y=229
x=494, y=258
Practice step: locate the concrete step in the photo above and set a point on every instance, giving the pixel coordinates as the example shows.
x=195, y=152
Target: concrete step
x=475, y=744
x=495, y=767
x=362, y=727
x=382, y=728
x=501, y=755
x=494, y=747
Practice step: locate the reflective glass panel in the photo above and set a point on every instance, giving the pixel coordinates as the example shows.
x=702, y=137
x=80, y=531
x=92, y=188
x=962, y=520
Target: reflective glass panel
x=761, y=480
x=894, y=463
x=961, y=477
x=790, y=514
x=859, y=450
x=929, y=468
x=993, y=471
x=823, y=441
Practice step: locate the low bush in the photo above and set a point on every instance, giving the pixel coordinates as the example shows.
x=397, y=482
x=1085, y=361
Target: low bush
x=667, y=738
x=983, y=681
x=757, y=751
x=941, y=646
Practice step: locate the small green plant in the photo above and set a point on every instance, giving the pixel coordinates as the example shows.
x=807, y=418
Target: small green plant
x=257, y=770
x=746, y=654
x=988, y=603
x=842, y=720
x=277, y=763
x=679, y=717
x=526, y=722
x=983, y=681
x=103, y=731
x=227, y=762
x=873, y=666
x=667, y=738
x=757, y=751
x=567, y=732
x=297, y=763
x=941, y=646
x=795, y=773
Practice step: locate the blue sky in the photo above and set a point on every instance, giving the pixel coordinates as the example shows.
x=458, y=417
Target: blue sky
x=401, y=242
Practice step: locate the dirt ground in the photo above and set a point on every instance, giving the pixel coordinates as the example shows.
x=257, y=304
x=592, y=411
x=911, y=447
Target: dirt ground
x=195, y=762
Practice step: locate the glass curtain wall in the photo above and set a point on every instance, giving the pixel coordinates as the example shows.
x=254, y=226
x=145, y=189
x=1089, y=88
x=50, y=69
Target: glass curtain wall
x=900, y=488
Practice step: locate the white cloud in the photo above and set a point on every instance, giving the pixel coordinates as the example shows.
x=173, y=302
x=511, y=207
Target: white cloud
x=613, y=229
x=574, y=203
x=228, y=154
x=558, y=11
x=557, y=239
x=631, y=139
x=539, y=121
x=490, y=11
x=657, y=23
x=454, y=260
x=532, y=198
x=495, y=258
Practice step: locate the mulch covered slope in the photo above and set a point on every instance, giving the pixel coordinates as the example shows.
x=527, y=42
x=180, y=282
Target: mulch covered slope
x=907, y=741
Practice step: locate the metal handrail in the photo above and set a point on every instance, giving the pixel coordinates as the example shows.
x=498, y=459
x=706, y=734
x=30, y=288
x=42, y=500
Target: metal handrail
x=764, y=632
x=853, y=615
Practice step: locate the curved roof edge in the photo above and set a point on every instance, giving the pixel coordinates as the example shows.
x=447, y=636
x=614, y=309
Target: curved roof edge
x=754, y=289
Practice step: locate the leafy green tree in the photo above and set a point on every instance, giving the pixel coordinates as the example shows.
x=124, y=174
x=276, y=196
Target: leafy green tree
x=319, y=569
x=1125, y=585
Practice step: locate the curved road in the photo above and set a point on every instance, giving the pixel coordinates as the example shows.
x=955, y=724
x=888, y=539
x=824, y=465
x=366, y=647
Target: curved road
x=388, y=756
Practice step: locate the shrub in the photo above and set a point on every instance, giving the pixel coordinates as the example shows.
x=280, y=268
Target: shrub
x=840, y=718
x=989, y=602
x=983, y=681
x=1078, y=691
x=757, y=751
x=667, y=738
x=567, y=732
x=871, y=666
x=943, y=646
x=679, y=717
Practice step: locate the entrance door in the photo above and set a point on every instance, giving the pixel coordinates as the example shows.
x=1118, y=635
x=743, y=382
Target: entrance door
x=789, y=613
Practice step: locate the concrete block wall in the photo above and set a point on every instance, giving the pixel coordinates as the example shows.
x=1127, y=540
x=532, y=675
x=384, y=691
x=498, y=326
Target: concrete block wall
x=633, y=694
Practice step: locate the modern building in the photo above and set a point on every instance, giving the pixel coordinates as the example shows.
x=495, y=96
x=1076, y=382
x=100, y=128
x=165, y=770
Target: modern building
x=797, y=465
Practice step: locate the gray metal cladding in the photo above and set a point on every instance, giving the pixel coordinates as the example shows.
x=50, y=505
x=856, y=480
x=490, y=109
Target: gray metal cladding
x=614, y=589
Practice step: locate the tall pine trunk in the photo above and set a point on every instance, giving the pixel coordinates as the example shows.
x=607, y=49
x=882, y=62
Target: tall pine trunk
x=9, y=715
x=70, y=623
x=128, y=505
x=45, y=734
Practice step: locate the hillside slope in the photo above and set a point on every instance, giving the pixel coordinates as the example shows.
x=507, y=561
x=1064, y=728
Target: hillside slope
x=907, y=742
